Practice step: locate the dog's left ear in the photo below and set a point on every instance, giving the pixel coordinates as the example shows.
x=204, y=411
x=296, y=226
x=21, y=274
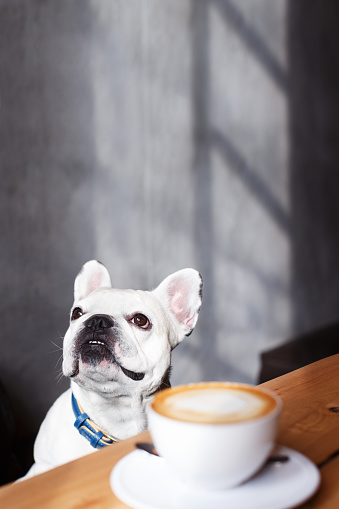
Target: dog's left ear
x=181, y=295
x=92, y=275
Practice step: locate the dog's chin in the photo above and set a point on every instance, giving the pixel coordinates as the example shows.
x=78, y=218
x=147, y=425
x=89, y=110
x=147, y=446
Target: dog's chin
x=97, y=357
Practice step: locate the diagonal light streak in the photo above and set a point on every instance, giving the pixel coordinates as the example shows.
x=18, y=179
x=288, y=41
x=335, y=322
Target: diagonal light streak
x=253, y=42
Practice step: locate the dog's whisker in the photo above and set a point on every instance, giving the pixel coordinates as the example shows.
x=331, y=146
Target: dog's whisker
x=59, y=361
x=54, y=351
x=59, y=377
x=58, y=347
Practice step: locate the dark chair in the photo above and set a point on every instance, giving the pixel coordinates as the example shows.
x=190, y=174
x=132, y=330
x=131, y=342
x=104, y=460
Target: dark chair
x=6, y=436
x=16, y=455
x=299, y=352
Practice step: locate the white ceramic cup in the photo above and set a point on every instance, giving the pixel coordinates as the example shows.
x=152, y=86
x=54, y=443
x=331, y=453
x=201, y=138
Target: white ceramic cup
x=214, y=435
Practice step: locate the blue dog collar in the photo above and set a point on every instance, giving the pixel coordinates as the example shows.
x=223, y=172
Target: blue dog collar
x=88, y=429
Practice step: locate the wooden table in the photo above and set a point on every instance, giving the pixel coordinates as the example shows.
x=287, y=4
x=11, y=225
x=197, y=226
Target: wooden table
x=309, y=424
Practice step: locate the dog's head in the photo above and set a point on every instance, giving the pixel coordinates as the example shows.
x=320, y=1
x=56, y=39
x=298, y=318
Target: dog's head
x=120, y=341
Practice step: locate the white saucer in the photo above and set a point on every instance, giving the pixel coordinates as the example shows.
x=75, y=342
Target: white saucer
x=143, y=481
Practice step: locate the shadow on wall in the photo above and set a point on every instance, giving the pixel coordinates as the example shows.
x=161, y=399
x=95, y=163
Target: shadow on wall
x=207, y=139
x=47, y=161
x=311, y=86
x=313, y=42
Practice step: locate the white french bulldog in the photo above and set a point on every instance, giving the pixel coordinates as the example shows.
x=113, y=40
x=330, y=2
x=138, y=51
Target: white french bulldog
x=117, y=353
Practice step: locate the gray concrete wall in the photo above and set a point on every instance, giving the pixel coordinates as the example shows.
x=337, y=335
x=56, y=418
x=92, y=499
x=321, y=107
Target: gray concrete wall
x=158, y=135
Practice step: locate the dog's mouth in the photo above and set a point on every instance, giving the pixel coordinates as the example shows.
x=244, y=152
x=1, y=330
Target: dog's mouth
x=94, y=351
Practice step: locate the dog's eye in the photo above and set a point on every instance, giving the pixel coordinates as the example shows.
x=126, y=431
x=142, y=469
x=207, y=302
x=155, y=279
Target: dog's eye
x=141, y=321
x=76, y=313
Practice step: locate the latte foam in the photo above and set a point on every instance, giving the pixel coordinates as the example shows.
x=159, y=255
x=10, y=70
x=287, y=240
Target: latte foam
x=214, y=402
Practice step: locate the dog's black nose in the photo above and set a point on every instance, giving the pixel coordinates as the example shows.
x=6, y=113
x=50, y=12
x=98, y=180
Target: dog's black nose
x=99, y=322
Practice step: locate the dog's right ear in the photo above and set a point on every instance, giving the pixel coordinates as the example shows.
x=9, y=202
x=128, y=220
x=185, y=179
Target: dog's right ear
x=93, y=275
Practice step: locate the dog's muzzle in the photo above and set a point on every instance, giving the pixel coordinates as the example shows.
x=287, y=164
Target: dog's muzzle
x=95, y=343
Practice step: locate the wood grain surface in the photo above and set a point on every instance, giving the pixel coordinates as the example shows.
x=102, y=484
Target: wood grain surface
x=308, y=424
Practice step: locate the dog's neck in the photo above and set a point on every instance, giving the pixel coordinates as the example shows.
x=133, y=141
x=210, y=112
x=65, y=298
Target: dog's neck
x=120, y=416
